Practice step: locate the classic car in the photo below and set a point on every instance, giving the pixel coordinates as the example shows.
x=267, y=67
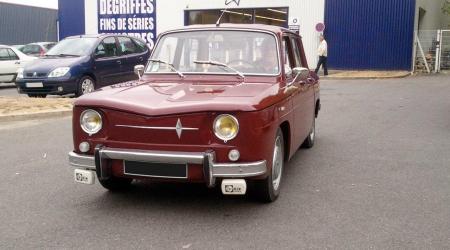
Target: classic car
x=222, y=105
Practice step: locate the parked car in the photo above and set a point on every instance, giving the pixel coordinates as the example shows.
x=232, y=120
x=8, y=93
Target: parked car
x=225, y=105
x=37, y=49
x=18, y=46
x=11, y=60
x=80, y=64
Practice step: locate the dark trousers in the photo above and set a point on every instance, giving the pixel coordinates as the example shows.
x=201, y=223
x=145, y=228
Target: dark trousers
x=322, y=62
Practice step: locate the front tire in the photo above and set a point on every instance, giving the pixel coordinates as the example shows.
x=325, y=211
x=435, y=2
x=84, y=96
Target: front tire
x=116, y=184
x=85, y=85
x=268, y=190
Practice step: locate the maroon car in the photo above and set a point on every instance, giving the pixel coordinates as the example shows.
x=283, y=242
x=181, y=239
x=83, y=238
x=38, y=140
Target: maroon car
x=225, y=105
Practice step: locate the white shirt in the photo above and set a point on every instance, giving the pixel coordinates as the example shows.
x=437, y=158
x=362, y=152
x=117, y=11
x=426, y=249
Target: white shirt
x=323, y=49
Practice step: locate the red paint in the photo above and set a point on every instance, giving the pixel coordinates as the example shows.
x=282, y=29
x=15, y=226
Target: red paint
x=261, y=104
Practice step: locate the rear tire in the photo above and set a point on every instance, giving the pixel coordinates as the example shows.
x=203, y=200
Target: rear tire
x=85, y=85
x=309, y=141
x=268, y=190
x=115, y=184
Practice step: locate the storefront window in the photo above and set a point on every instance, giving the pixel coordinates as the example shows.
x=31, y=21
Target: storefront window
x=270, y=16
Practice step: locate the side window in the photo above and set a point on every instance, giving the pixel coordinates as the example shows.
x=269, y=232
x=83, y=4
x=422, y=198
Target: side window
x=141, y=46
x=13, y=55
x=107, y=48
x=127, y=46
x=287, y=56
x=4, y=56
x=297, y=56
x=31, y=49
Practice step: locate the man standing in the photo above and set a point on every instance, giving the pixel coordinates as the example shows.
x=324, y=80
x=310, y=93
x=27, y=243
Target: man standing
x=323, y=54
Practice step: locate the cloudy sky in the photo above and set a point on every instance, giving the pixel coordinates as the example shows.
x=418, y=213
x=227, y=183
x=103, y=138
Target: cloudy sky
x=40, y=3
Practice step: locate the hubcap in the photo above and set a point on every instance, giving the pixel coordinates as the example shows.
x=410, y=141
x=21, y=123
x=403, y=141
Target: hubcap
x=87, y=86
x=277, y=164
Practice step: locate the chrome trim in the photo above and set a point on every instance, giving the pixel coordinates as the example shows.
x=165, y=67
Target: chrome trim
x=277, y=41
x=178, y=128
x=82, y=161
x=212, y=170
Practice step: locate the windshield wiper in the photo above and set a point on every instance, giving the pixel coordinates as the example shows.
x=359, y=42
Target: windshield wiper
x=61, y=55
x=221, y=65
x=168, y=64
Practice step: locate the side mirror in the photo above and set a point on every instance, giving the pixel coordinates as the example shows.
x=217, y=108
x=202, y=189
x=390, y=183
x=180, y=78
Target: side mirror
x=300, y=73
x=100, y=54
x=139, y=70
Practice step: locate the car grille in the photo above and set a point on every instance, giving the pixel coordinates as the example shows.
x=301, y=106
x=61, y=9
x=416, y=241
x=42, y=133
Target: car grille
x=37, y=75
x=45, y=89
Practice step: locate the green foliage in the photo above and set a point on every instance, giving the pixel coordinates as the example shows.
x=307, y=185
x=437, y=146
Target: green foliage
x=446, y=7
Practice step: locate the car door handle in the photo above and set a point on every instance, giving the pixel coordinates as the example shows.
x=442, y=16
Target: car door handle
x=119, y=62
x=17, y=63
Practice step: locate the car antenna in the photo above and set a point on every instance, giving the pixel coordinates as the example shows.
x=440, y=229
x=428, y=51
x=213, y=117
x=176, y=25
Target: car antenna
x=220, y=18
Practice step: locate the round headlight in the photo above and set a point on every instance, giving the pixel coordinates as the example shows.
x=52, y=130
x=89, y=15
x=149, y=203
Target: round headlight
x=226, y=127
x=91, y=121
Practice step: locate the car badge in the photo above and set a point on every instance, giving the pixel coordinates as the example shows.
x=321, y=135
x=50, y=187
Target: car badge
x=179, y=128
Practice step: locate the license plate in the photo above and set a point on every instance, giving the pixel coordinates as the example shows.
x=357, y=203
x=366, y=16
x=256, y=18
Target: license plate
x=34, y=85
x=84, y=176
x=157, y=170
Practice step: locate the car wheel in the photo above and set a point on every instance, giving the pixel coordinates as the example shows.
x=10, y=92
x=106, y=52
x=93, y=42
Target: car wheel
x=85, y=85
x=267, y=190
x=309, y=141
x=116, y=183
x=37, y=95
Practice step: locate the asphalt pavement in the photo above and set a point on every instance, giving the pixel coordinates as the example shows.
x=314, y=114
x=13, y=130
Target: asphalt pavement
x=378, y=177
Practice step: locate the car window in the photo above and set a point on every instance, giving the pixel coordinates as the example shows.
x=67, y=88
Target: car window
x=49, y=46
x=140, y=45
x=287, y=59
x=31, y=49
x=297, y=56
x=127, y=46
x=107, y=48
x=4, y=56
x=12, y=55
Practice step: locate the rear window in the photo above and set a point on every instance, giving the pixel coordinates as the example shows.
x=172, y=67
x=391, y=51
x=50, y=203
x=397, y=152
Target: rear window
x=140, y=45
x=49, y=46
x=31, y=49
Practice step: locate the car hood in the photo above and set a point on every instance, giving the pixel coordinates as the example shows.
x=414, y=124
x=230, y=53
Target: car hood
x=165, y=98
x=46, y=65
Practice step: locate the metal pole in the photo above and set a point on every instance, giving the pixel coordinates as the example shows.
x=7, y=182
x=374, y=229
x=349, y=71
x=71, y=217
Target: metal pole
x=413, y=66
x=438, y=52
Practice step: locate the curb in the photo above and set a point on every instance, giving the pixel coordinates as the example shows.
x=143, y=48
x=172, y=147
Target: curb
x=35, y=116
x=365, y=78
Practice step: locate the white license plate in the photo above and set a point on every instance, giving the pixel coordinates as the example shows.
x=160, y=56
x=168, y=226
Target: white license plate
x=84, y=176
x=35, y=85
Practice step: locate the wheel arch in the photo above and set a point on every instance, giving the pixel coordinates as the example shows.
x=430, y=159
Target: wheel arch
x=286, y=131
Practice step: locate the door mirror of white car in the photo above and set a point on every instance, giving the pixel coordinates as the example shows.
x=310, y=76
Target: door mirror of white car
x=139, y=70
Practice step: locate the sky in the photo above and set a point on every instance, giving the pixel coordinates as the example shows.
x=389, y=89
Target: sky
x=53, y=4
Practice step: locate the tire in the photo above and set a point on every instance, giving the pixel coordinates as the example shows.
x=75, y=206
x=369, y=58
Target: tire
x=309, y=141
x=116, y=184
x=37, y=95
x=268, y=190
x=85, y=85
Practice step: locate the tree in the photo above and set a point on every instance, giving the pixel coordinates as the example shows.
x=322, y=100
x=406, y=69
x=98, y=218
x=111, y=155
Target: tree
x=446, y=7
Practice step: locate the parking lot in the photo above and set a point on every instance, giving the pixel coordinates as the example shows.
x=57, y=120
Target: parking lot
x=377, y=178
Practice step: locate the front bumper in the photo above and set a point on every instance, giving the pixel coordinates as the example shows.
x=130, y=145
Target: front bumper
x=211, y=169
x=50, y=86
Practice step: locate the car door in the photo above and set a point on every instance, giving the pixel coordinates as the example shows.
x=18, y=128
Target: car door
x=133, y=54
x=299, y=91
x=8, y=65
x=108, y=64
x=306, y=112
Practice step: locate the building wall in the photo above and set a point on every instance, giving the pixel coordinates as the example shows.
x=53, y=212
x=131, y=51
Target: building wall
x=433, y=18
x=370, y=34
x=21, y=24
x=170, y=15
x=71, y=18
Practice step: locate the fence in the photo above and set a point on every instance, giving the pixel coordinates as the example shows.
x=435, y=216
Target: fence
x=432, y=51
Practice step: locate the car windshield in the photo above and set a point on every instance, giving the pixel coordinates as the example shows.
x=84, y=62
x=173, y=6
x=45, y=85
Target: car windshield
x=220, y=52
x=73, y=46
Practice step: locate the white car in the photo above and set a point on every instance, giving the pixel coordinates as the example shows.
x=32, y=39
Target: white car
x=11, y=60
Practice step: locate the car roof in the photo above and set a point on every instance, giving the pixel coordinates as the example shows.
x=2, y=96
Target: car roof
x=260, y=27
x=4, y=46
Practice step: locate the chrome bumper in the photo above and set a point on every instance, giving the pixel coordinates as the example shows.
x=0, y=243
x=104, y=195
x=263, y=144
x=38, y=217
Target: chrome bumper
x=211, y=169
